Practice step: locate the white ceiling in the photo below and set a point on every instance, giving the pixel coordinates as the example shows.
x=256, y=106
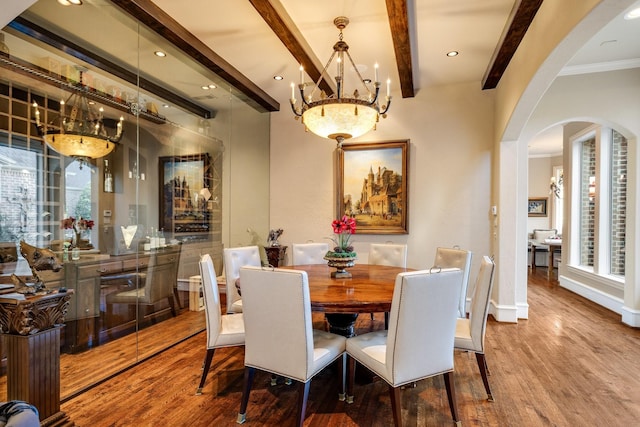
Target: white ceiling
x=235, y=31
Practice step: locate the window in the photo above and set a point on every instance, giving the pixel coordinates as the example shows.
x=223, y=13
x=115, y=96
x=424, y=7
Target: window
x=600, y=202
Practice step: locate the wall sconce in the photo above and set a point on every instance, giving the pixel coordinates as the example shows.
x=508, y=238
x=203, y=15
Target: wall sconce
x=555, y=186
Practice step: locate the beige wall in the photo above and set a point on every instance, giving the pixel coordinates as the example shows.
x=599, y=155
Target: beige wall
x=451, y=132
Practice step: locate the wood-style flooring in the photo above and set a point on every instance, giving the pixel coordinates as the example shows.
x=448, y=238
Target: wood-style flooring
x=572, y=363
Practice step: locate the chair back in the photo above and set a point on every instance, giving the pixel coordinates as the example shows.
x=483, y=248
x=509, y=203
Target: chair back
x=211, y=299
x=540, y=234
x=234, y=258
x=388, y=254
x=480, y=303
x=309, y=253
x=422, y=324
x=456, y=258
x=277, y=321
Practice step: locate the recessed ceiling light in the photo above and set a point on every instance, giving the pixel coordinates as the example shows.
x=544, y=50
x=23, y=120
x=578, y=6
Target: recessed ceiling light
x=277, y=77
x=632, y=14
x=159, y=53
x=205, y=87
x=367, y=81
x=165, y=105
x=70, y=2
x=452, y=53
x=212, y=86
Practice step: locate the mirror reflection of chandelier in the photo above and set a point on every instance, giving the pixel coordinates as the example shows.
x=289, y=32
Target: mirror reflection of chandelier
x=80, y=131
x=336, y=116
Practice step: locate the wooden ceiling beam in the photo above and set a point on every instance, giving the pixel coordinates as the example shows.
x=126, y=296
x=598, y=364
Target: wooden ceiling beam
x=518, y=23
x=399, y=25
x=161, y=23
x=285, y=29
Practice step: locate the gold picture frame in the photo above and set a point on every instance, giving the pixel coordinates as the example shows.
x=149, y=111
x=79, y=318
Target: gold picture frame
x=537, y=206
x=373, y=186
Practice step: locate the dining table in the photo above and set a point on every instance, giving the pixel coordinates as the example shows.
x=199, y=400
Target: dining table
x=368, y=290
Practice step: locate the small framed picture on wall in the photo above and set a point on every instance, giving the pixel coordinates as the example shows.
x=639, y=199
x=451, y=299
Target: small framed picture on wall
x=537, y=206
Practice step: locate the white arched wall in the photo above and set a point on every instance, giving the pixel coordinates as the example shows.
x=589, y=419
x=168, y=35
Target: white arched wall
x=610, y=99
x=548, y=45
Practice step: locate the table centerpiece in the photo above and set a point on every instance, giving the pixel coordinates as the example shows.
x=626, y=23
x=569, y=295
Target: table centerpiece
x=342, y=256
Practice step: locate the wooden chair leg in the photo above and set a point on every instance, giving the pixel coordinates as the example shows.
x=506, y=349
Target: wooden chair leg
x=449, y=384
x=303, y=395
x=482, y=365
x=396, y=405
x=172, y=305
x=248, y=380
x=205, y=370
x=351, y=373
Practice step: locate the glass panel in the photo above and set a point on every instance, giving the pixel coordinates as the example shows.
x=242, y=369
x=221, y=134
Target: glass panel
x=184, y=183
x=618, y=203
x=587, y=201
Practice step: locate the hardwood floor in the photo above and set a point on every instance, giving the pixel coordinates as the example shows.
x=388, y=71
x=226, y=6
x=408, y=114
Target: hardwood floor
x=572, y=363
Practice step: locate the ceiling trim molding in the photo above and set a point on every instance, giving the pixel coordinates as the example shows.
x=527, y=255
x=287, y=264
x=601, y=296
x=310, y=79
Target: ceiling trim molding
x=518, y=23
x=161, y=23
x=285, y=29
x=598, y=67
x=399, y=26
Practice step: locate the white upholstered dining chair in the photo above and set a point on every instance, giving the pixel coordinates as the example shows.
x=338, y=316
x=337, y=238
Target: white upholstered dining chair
x=234, y=258
x=419, y=341
x=456, y=258
x=390, y=254
x=309, y=253
x=222, y=330
x=470, y=332
x=279, y=337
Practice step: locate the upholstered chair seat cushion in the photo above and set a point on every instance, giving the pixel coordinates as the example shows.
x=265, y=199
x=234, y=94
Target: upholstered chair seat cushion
x=463, y=334
x=233, y=328
x=371, y=346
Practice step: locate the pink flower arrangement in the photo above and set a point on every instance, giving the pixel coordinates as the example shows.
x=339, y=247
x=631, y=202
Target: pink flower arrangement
x=77, y=225
x=343, y=228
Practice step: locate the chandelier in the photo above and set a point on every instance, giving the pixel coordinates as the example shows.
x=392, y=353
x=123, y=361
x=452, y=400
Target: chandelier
x=337, y=116
x=80, y=131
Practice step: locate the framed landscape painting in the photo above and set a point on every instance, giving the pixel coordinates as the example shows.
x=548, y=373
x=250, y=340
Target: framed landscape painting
x=372, y=186
x=185, y=183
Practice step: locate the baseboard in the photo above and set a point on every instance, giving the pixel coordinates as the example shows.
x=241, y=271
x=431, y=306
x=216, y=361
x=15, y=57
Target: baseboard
x=609, y=301
x=504, y=313
x=631, y=317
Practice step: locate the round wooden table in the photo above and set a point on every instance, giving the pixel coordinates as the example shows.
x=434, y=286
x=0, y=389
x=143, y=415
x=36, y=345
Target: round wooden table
x=369, y=290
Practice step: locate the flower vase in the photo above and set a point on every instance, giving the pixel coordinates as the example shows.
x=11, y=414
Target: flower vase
x=76, y=240
x=340, y=262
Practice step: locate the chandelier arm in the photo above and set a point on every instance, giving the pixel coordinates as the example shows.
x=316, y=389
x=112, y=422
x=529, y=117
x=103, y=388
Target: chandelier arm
x=293, y=108
x=353, y=64
x=323, y=73
x=386, y=107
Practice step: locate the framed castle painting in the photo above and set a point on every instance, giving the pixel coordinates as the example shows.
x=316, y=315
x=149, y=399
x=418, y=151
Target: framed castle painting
x=372, y=186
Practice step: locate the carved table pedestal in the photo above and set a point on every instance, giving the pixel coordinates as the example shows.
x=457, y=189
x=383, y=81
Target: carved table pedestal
x=31, y=325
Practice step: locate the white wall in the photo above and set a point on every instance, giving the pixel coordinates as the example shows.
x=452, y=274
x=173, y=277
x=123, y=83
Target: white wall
x=451, y=131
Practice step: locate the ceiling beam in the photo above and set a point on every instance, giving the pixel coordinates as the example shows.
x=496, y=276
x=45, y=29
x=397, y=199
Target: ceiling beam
x=161, y=23
x=285, y=29
x=37, y=32
x=518, y=23
x=399, y=25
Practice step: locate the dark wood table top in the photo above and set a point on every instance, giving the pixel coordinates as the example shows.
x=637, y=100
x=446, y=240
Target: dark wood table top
x=370, y=290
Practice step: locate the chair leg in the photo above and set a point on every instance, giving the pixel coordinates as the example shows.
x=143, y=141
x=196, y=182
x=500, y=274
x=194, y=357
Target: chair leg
x=396, y=405
x=449, y=384
x=303, y=395
x=386, y=320
x=205, y=369
x=482, y=365
x=342, y=366
x=351, y=373
x=172, y=305
x=248, y=380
